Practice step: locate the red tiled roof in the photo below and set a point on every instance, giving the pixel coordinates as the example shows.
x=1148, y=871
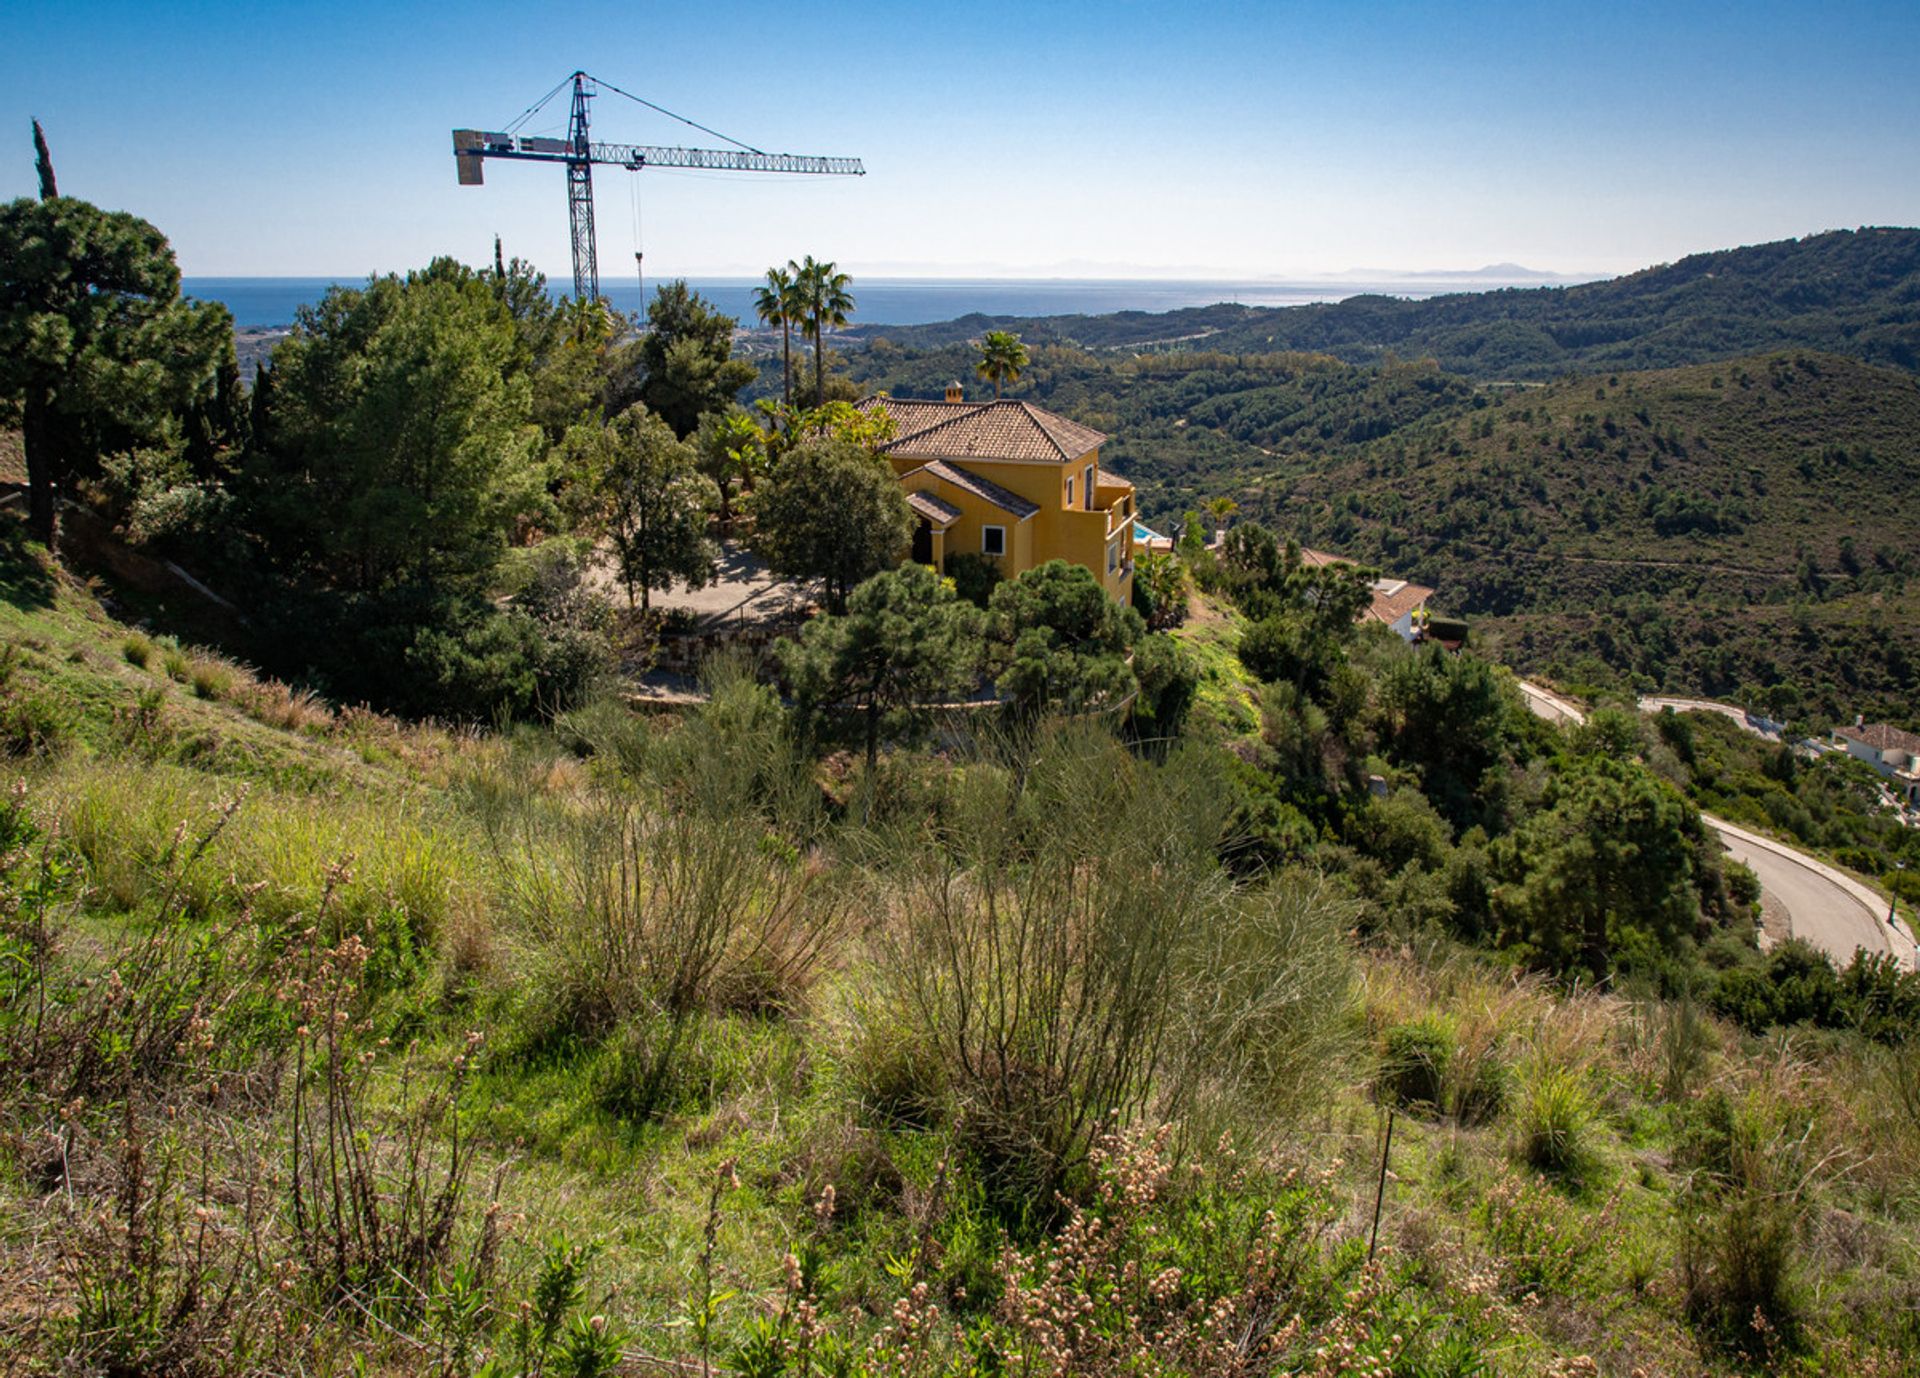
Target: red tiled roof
x=935, y=509
x=985, y=489
x=1881, y=737
x=1393, y=599
x=1006, y=429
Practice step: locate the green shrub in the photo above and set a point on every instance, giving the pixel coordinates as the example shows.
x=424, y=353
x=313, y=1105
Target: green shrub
x=1414, y=1063
x=176, y=662
x=1556, y=1114
x=1742, y=1217
x=138, y=650
x=974, y=576
x=33, y=722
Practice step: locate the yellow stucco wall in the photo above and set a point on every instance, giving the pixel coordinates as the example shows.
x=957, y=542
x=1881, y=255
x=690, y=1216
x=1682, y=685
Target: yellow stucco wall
x=1055, y=532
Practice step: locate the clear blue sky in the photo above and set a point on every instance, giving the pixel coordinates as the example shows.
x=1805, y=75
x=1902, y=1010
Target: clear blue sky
x=1089, y=138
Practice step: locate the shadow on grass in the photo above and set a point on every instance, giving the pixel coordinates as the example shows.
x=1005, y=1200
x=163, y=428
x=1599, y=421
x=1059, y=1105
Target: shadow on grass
x=25, y=580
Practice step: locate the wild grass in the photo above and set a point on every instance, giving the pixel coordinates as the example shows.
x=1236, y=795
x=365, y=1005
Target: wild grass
x=723, y=1023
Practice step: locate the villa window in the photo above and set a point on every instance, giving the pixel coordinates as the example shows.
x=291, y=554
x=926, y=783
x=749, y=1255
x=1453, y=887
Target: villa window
x=1113, y=556
x=1087, y=485
x=993, y=540
x=1069, y=490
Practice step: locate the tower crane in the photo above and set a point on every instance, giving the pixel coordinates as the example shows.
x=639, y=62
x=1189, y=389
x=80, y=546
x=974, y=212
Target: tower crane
x=471, y=147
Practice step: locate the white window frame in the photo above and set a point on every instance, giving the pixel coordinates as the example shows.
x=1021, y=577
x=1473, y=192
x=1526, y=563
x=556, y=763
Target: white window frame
x=1069, y=490
x=1087, y=480
x=985, y=549
x=1113, y=556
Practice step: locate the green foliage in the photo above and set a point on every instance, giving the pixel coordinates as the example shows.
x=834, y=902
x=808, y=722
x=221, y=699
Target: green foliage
x=832, y=512
x=1744, y=1217
x=684, y=360
x=825, y=300
x=1002, y=358
x=904, y=644
x=1414, y=1063
x=97, y=348
x=1169, y=679
x=652, y=501
x=1555, y=1120
x=974, y=576
x=1608, y=870
x=1059, y=642
x=1457, y=720
x=1160, y=589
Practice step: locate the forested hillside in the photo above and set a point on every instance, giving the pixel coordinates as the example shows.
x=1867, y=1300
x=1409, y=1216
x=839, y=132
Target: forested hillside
x=1719, y=528
x=1851, y=292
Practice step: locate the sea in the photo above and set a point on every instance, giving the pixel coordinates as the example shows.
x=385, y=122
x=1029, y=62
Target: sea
x=264, y=303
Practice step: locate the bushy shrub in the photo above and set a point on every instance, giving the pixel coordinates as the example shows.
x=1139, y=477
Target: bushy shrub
x=1414, y=1062
x=974, y=576
x=138, y=650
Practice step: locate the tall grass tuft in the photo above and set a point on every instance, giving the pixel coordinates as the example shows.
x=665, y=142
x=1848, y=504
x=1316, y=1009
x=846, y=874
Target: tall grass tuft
x=1555, y=1120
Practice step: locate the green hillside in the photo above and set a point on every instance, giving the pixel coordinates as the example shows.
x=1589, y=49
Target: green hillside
x=1714, y=528
x=1704, y=528
x=1851, y=292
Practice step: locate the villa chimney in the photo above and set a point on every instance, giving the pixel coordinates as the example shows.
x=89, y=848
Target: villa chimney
x=954, y=394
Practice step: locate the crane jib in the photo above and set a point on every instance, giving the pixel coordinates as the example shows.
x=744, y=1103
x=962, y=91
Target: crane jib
x=578, y=152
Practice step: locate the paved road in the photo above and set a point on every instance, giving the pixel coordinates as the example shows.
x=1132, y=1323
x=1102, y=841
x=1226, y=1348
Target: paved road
x=1824, y=905
x=1826, y=914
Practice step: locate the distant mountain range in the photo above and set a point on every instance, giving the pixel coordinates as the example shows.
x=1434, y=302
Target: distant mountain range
x=1854, y=292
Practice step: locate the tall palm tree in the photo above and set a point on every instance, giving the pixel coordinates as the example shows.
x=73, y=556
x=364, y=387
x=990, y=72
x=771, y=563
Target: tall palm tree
x=828, y=304
x=778, y=303
x=1002, y=357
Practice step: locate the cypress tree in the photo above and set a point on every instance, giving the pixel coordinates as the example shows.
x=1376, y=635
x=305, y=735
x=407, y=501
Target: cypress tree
x=43, y=164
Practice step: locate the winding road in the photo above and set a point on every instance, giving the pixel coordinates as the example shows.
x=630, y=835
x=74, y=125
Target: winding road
x=1823, y=904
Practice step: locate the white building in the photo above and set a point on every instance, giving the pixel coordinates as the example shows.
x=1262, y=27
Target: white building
x=1888, y=750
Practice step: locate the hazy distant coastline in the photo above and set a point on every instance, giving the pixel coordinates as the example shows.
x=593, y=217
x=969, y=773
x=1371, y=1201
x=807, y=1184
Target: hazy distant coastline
x=264, y=303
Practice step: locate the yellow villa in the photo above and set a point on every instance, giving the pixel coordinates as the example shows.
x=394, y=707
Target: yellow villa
x=1010, y=481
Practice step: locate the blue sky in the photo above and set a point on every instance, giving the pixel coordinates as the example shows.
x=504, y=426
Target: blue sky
x=1084, y=139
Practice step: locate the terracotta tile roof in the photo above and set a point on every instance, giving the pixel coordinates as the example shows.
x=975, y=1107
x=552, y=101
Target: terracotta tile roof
x=985, y=489
x=1006, y=429
x=911, y=415
x=935, y=509
x=1393, y=599
x=1881, y=737
x=1107, y=478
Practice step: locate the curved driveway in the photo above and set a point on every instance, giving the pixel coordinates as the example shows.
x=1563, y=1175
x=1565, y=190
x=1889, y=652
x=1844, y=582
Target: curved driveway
x=1824, y=905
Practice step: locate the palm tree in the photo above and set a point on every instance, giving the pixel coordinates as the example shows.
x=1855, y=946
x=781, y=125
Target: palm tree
x=826, y=305
x=1002, y=357
x=778, y=303
x=1220, y=509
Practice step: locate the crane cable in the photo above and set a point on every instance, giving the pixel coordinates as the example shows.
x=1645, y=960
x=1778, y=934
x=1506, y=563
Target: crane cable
x=526, y=114
x=639, y=270
x=695, y=124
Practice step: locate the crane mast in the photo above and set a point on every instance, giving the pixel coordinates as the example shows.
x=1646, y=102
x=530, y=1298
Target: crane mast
x=471, y=147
